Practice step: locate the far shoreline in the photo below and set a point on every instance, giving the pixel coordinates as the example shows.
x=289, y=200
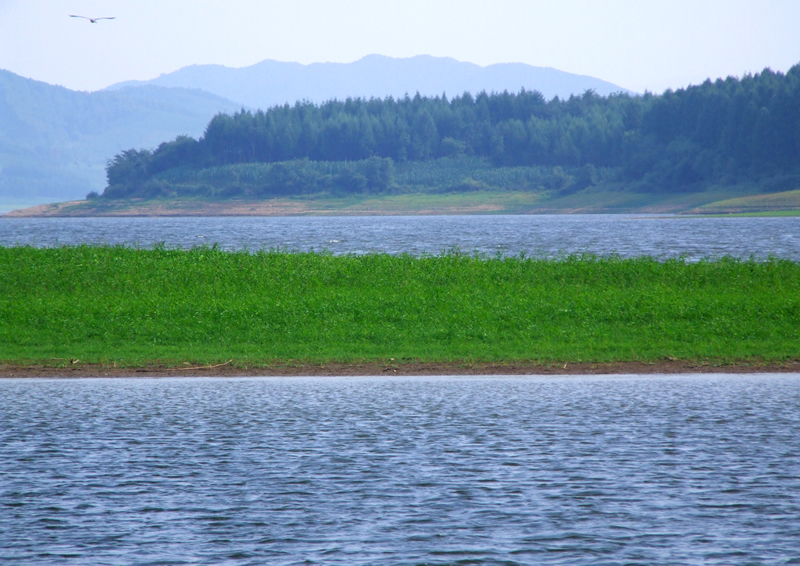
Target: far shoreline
x=515, y=202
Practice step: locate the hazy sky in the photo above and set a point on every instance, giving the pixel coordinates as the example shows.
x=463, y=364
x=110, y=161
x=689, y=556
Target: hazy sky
x=637, y=44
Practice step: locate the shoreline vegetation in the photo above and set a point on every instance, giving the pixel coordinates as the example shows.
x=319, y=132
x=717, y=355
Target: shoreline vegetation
x=100, y=310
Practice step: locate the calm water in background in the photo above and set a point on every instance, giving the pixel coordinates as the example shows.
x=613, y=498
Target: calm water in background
x=503, y=470
x=535, y=235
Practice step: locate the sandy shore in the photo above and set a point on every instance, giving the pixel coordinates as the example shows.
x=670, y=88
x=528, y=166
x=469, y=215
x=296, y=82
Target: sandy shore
x=449, y=205
x=271, y=207
x=413, y=368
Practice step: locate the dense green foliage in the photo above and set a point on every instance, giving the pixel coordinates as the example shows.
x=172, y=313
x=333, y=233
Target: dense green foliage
x=717, y=132
x=135, y=306
x=374, y=175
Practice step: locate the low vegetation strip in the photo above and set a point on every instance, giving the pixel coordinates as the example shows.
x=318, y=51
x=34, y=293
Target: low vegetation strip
x=784, y=202
x=136, y=307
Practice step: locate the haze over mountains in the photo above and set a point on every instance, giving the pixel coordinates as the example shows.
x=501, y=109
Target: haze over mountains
x=54, y=142
x=269, y=82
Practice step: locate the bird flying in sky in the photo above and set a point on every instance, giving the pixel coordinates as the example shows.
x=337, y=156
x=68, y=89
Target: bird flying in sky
x=93, y=20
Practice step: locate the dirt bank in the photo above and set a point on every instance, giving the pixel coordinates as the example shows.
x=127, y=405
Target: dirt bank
x=412, y=368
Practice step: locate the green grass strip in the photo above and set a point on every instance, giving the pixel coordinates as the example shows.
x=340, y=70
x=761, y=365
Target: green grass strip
x=103, y=304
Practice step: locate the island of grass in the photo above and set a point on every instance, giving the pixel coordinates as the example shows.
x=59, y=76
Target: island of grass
x=117, y=307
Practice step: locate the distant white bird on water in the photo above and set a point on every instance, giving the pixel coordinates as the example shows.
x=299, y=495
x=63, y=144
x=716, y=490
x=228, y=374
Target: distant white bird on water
x=93, y=20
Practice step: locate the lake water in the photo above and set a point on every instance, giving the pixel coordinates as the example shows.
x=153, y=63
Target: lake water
x=385, y=471
x=352, y=471
x=539, y=235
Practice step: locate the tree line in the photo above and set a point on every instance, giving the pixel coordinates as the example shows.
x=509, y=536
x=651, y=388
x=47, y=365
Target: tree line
x=720, y=131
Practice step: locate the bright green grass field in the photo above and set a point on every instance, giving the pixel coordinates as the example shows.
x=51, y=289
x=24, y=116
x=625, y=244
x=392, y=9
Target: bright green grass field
x=103, y=304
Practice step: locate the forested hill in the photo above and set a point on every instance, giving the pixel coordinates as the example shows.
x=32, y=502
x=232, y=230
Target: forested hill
x=718, y=132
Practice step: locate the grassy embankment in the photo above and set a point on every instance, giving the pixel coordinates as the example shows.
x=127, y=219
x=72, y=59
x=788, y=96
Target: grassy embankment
x=786, y=203
x=137, y=307
x=601, y=199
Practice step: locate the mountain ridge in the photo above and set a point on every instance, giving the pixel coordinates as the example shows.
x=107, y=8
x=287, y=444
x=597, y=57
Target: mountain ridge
x=269, y=82
x=54, y=142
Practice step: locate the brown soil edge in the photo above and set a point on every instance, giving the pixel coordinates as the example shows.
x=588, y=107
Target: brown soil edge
x=288, y=207
x=272, y=207
x=373, y=368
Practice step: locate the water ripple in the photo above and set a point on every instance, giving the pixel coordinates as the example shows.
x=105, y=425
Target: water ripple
x=538, y=235
x=636, y=470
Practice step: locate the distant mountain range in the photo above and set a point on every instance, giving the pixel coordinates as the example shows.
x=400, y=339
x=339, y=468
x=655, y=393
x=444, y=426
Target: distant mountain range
x=269, y=82
x=54, y=142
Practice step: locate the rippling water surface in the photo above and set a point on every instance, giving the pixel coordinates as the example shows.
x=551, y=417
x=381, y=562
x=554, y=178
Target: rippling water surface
x=522, y=470
x=534, y=234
